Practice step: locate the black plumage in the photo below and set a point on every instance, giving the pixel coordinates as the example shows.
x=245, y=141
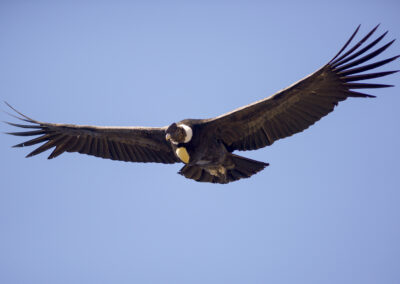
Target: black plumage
x=206, y=145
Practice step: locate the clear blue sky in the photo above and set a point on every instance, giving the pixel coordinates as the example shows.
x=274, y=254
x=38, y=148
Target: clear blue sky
x=325, y=211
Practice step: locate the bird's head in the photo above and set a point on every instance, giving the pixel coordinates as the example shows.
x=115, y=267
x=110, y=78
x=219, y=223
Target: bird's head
x=178, y=133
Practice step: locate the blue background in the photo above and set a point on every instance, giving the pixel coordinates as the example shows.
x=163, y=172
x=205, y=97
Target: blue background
x=325, y=211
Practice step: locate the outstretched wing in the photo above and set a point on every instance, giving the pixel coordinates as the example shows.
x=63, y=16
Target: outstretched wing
x=302, y=104
x=130, y=144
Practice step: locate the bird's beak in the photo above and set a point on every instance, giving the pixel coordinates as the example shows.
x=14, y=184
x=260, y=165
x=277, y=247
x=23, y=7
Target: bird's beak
x=168, y=137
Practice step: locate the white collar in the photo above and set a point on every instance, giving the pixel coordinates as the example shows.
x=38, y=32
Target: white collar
x=188, y=131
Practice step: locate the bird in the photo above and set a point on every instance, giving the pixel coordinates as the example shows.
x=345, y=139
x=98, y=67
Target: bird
x=206, y=146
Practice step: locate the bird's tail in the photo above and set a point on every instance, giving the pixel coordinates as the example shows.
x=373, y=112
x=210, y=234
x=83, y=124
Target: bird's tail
x=240, y=167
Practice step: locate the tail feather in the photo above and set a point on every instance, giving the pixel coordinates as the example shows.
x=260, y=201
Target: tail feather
x=242, y=168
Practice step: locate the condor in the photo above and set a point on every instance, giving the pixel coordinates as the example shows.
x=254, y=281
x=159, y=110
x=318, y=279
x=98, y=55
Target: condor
x=206, y=146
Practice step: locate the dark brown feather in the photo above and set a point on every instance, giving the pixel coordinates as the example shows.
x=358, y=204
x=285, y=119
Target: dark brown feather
x=133, y=144
x=358, y=53
x=354, y=48
x=301, y=105
x=367, y=76
x=365, y=58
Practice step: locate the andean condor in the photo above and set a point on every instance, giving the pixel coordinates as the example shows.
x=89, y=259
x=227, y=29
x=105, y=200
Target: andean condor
x=206, y=146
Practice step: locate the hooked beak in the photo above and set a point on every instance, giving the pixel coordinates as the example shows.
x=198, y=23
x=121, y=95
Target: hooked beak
x=168, y=137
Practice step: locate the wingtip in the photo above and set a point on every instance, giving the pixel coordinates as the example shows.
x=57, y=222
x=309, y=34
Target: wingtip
x=375, y=28
x=29, y=155
x=25, y=118
x=10, y=106
x=357, y=30
x=345, y=45
x=391, y=42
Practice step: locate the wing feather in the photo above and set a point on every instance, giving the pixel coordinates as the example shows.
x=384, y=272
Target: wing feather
x=299, y=106
x=130, y=144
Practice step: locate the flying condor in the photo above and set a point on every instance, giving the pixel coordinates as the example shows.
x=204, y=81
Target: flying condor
x=206, y=146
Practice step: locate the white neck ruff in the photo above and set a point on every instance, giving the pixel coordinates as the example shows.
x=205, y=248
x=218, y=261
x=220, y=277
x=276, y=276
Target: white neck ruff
x=188, y=131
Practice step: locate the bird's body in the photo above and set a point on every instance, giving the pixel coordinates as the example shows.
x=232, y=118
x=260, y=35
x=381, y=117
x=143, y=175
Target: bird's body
x=206, y=146
x=207, y=158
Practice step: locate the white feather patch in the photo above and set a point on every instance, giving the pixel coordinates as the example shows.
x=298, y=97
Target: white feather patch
x=188, y=131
